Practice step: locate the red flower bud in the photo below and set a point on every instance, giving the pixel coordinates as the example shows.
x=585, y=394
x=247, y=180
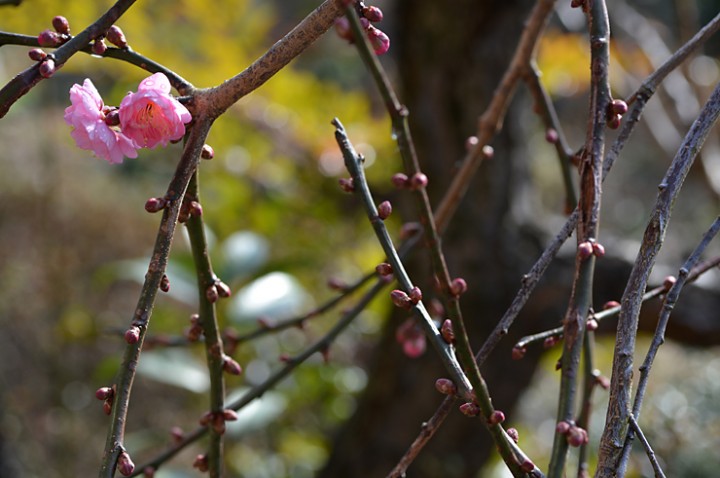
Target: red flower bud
x=379, y=40
x=401, y=299
x=61, y=25
x=551, y=341
x=165, y=283
x=592, y=324
x=201, y=463
x=518, y=353
x=446, y=330
x=223, y=289
x=116, y=36
x=99, y=47
x=551, y=136
x=577, y=436
x=125, y=465
x=37, y=54
x=231, y=366
x=230, y=415
x=373, y=14
x=415, y=295
x=614, y=121
x=598, y=249
x=49, y=38
x=103, y=393
x=418, y=181
x=177, y=434
x=384, y=269
x=513, y=434
x=207, y=152
x=211, y=294
x=347, y=185
x=400, y=180
x=470, y=409
x=668, y=282
x=445, y=386
x=155, y=204
x=585, y=250
x=458, y=286
x=563, y=427
x=496, y=417
x=527, y=465
x=107, y=406
x=112, y=117
x=384, y=210
x=611, y=304
x=132, y=335
x=618, y=107
x=47, y=68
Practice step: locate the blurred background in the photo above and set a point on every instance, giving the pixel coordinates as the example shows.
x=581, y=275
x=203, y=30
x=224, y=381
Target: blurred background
x=75, y=240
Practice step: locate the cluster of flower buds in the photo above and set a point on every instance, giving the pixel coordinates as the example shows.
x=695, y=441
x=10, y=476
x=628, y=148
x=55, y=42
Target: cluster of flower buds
x=217, y=290
x=574, y=435
x=590, y=248
x=615, y=111
x=195, y=331
x=189, y=208
x=413, y=183
x=217, y=420
x=368, y=15
x=107, y=395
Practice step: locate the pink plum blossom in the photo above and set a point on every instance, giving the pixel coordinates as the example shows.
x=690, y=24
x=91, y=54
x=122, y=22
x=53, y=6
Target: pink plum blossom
x=152, y=116
x=87, y=117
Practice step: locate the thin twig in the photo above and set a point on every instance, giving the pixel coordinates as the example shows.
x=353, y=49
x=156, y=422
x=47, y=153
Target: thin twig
x=588, y=225
x=143, y=311
x=613, y=437
x=648, y=449
x=213, y=342
x=659, y=336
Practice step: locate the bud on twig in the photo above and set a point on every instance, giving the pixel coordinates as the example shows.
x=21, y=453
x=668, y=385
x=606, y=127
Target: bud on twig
x=37, y=54
x=125, y=465
x=445, y=386
x=116, y=36
x=347, y=185
x=165, y=283
x=231, y=366
x=384, y=269
x=132, y=335
x=49, y=38
x=61, y=25
x=458, y=287
x=518, y=352
x=401, y=299
x=47, y=68
x=446, y=330
x=384, y=210
x=201, y=463
x=496, y=417
x=207, y=152
x=153, y=205
x=513, y=434
x=470, y=409
x=415, y=295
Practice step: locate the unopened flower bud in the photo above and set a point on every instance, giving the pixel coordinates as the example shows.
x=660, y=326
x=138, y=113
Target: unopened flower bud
x=458, y=286
x=112, y=117
x=527, y=465
x=384, y=269
x=598, y=249
x=116, y=36
x=418, y=181
x=415, y=295
x=446, y=330
x=37, y=54
x=471, y=142
x=195, y=209
x=61, y=24
x=585, y=249
x=668, y=282
x=201, y=463
x=513, y=434
x=107, y=406
x=470, y=409
x=378, y=39
x=125, y=465
x=445, y=386
x=577, y=436
x=177, y=434
x=551, y=341
x=384, y=210
x=563, y=427
x=155, y=204
x=165, y=283
x=400, y=180
x=230, y=415
x=488, y=151
x=614, y=121
x=496, y=417
x=373, y=14
x=343, y=30
x=551, y=136
x=592, y=325
x=518, y=353
x=207, y=152
x=618, y=107
x=223, y=289
x=401, y=299
x=218, y=423
x=99, y=47
x=347, y=185
x=47, y=68
x=211, y=294
x=49, y=38
x=103, y=393
x=231, y=366
x=611, y=304
x=132, y=335
x=205, y=419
